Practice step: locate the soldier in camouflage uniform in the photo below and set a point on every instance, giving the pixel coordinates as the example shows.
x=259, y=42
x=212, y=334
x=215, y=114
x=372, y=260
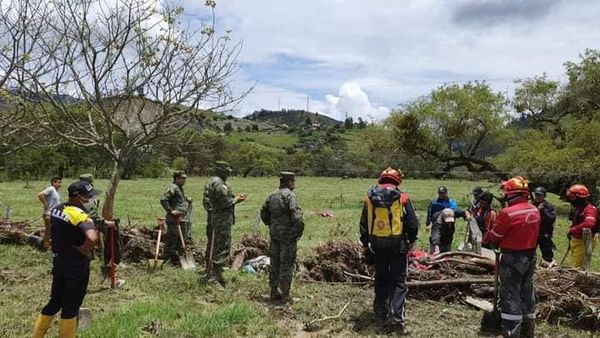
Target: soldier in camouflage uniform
x=176, y=204
x=283, y=216
x=219, y=202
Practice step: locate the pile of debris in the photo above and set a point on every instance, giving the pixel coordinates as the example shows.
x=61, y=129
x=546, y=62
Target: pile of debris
x=248, y=248
x=569, y=296
x=138, y=244
x=16, y=232
x=565, y=296
x=338, y=261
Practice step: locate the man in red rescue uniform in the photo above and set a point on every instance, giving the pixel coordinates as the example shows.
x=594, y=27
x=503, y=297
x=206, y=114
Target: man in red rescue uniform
x=516, y=233
x=583, y=215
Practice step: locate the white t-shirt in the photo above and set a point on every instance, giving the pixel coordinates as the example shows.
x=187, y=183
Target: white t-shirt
x=52, y=197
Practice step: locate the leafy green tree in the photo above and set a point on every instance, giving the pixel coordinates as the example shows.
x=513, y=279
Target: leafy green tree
x=454, y=125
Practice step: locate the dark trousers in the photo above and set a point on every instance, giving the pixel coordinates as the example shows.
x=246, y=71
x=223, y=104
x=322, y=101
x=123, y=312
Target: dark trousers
x=173, y=245
x=517, y=297
x=546, y=245
x=69, y=285
x=283, y=258
x=391, y=269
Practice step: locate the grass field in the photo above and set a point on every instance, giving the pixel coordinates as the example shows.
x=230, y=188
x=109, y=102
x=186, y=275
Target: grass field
x=170, y=303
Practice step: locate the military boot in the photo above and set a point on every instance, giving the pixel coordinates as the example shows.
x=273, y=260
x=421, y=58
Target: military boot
x=285, y=295
x=528, y=329
x=275, y=295
x=219, y=276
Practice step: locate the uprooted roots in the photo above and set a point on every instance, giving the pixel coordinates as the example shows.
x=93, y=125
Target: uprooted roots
x=564, y=296
x=249, y=247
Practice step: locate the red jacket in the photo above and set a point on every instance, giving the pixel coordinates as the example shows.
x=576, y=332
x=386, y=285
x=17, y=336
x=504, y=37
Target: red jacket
x=585, y=217
x=516, y=228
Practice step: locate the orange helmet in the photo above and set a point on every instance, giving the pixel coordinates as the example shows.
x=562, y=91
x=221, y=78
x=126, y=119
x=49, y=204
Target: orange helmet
x=516, y=185
x=578, y=191
x=391, y=175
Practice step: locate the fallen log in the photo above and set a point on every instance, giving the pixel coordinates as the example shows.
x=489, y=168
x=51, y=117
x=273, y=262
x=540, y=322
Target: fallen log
x=484, y=263
x=465, y=281
x=462, y=281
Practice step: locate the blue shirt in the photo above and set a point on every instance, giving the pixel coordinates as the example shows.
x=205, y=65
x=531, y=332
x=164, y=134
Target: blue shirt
x=439, y=205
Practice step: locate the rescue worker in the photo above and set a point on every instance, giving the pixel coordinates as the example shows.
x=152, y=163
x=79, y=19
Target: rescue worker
x=283, y=216
x=548, y=214
x=583, y=215
x=516, y=232
x=388, y=229
x=442, y=230
x=176, y=205
x=73, y=239
x=219, y=202
x=50, y=198
x=442, y=202
x=485, y=215
x=477, y=193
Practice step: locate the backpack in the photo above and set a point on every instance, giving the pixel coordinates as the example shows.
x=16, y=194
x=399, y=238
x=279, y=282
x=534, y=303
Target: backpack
x=385, y=216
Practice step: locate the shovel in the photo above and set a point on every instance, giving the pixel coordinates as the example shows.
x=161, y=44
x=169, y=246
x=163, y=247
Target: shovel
x=156, y=264
x=187, y=263
x=491, y=321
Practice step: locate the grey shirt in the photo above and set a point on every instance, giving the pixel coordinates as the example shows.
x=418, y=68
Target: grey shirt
x=52, y=197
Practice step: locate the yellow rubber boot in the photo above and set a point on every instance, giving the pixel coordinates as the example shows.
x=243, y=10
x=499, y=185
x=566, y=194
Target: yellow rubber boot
x=67, y=328
x=42, y=323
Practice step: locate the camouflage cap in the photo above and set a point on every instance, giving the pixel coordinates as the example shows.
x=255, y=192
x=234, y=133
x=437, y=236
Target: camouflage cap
x=222, y=164
x=86, y=178
x=179, y=174
x=287, y=175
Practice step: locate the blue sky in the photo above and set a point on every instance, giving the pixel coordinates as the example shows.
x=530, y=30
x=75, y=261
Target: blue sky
x=363, y=58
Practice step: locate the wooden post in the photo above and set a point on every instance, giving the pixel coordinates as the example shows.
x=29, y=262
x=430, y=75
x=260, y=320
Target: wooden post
x=587, y=254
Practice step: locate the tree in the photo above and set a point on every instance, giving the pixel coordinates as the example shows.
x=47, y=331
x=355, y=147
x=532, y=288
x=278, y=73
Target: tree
x=348, y=123
x=137, y=80
x=361, y=124
x=537, y=100
x=21, y=28
x=228, y=128
x=455, y=125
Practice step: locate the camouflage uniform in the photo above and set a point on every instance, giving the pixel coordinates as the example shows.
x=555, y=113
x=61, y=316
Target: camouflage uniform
x=283, y=216
x=174, y=199
x=219, y=202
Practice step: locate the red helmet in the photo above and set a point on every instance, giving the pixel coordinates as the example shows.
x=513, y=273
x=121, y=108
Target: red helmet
x=391, y=175
x=578, y=191
x=516, y=185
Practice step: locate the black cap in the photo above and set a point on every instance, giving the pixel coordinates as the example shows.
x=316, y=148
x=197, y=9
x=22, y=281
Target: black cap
x=442, y=190
x=539, y=191
x=477, y=190
x=82, y=188
x=487, y=196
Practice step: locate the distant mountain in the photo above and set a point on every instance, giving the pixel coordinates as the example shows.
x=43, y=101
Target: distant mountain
x=291, y=117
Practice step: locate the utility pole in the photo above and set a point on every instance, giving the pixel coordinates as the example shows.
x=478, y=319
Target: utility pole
x=307, y=102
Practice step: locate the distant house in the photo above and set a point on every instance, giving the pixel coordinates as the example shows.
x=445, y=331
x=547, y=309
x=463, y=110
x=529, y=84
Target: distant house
x=316, y=125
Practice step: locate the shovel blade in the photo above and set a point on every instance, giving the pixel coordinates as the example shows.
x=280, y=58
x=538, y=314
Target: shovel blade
x=187, y=263
x=154, y=264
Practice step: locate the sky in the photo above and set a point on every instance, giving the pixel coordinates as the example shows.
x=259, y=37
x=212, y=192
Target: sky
x=365, y=58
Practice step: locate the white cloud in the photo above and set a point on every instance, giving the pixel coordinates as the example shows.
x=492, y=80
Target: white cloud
x=353, y=102
x=399, y=50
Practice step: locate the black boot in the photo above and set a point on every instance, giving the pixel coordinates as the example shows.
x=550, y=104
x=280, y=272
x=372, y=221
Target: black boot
x=528, y=328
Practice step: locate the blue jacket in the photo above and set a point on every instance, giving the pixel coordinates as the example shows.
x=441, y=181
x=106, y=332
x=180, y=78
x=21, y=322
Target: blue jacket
x=438, y=205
